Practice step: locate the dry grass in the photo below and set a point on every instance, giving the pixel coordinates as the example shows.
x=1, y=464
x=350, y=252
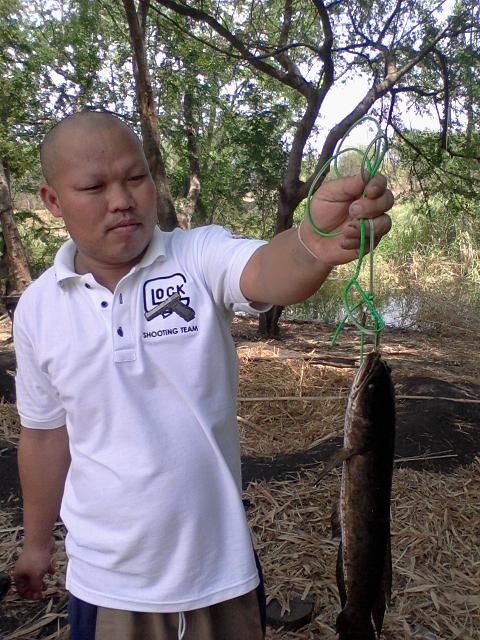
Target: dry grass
x=9, y=423
x=435, y=525
x=435, y=517
x=269, y=427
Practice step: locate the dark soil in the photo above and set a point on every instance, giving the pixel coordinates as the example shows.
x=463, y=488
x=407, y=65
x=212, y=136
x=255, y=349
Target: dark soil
x=7, y=368
x=9, y=483
x=424, y=428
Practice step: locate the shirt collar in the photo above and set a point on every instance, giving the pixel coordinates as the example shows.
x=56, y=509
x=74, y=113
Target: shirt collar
x=64, y=263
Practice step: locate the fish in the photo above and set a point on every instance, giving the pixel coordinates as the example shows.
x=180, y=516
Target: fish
x=364, y=561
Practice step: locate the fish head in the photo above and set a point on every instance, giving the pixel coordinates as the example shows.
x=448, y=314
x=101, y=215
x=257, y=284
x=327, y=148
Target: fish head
x=373, y=370
x=371, y=399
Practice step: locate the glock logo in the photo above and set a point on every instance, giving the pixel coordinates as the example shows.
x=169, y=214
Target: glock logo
x=165, y=296
x=171, y=304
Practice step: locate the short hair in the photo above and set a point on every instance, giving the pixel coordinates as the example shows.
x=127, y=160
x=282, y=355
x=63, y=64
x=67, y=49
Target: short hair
x=48, y=143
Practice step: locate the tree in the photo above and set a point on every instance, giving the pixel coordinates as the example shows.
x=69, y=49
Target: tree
x=14, y=85
x=148, y=116
x=219, y=131
x=49, y=61
x=19, y=271
x=310, y=46
x=235, y=91
x=190, y=202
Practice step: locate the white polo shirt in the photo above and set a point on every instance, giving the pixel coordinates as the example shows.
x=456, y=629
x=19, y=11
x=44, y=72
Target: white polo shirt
x=152, y=500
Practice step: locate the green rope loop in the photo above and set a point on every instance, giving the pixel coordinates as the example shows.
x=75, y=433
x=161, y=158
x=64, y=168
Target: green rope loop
x=372, y=159
x=366, y=298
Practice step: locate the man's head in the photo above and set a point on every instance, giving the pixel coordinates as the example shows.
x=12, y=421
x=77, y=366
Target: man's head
x=97, y=179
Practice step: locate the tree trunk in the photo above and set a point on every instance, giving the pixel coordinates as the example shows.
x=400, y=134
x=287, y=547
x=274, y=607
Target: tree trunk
x=167, y=218
x=189, y=205
x=268, y=322
x=19, y=271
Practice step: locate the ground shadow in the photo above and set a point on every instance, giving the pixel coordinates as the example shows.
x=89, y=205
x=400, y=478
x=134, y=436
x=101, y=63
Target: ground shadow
x=434, y=435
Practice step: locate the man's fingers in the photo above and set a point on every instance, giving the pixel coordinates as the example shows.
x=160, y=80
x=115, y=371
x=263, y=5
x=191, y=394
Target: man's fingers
x=29, y=593
x=340, y=190
x=351, y=233
x=376, y=186
x=346, y=199
x=350, y=187
x=369, y=208
x=28, y=586
x=381, y=225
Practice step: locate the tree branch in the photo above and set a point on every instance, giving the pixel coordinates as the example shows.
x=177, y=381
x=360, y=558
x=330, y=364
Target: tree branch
x=292, y=184
x=394, y=76
x=149, y=119
x=389, y=21
x=143, y=7
x=376, y=91
x=420, y=154
x=415, y=89
x=446, y=98
x=286, y=62
x=292, y=80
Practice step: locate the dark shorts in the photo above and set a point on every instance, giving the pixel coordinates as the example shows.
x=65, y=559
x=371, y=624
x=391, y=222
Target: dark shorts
x=241, y=618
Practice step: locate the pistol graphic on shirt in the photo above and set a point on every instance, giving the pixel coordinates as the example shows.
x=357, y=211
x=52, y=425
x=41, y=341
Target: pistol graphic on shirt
x=171, y=304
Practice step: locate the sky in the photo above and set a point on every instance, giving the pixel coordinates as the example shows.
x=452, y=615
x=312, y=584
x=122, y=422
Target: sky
x=342, y=98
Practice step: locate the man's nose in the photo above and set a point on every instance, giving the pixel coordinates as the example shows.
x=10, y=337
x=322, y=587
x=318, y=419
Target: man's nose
x=119, y=197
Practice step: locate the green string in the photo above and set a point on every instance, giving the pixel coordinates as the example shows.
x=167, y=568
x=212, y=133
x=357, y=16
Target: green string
x=372, y=159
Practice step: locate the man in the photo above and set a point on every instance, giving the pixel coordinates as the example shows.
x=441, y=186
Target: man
x=126, y=390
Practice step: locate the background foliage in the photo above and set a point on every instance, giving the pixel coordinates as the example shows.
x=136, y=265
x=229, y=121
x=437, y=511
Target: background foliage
x=58, y=56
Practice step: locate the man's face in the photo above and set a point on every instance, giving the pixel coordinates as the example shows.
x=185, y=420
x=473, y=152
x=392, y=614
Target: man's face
x=103, y=190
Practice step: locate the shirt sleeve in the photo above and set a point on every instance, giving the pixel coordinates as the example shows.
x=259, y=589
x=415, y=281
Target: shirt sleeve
x=38, y=403
x=223, y=257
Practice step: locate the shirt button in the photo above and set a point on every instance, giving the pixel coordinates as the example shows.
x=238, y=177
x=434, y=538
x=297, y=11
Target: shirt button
x=89, y=286
x=104, y=303
x=120, y=332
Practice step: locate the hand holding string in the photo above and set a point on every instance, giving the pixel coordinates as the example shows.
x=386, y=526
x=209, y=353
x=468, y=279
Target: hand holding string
x=372, y=158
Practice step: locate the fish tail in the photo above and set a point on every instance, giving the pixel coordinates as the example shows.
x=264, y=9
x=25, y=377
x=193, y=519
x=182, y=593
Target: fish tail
x=354, y=626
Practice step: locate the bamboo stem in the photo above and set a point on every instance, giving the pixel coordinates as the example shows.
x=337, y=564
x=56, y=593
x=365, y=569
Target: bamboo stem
x=343, y=397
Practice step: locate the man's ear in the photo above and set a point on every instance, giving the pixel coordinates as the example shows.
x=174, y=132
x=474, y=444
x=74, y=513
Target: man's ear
x=50, y=200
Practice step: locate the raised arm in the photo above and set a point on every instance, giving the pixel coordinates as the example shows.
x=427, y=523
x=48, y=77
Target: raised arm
x=285, y=270
x=43, y=461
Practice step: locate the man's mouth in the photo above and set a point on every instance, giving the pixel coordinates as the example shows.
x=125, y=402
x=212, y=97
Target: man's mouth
x=125, y=226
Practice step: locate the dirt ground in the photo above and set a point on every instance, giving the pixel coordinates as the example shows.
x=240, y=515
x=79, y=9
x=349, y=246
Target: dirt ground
x=441, y=370
x=437, y=381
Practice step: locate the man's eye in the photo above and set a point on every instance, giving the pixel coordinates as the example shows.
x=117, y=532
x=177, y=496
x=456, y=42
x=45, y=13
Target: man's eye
x=92, y=187
x=137, y=178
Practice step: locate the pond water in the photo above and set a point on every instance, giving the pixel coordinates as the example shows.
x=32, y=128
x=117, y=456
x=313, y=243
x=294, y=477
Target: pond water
x=399, y=309
x=408, y=306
